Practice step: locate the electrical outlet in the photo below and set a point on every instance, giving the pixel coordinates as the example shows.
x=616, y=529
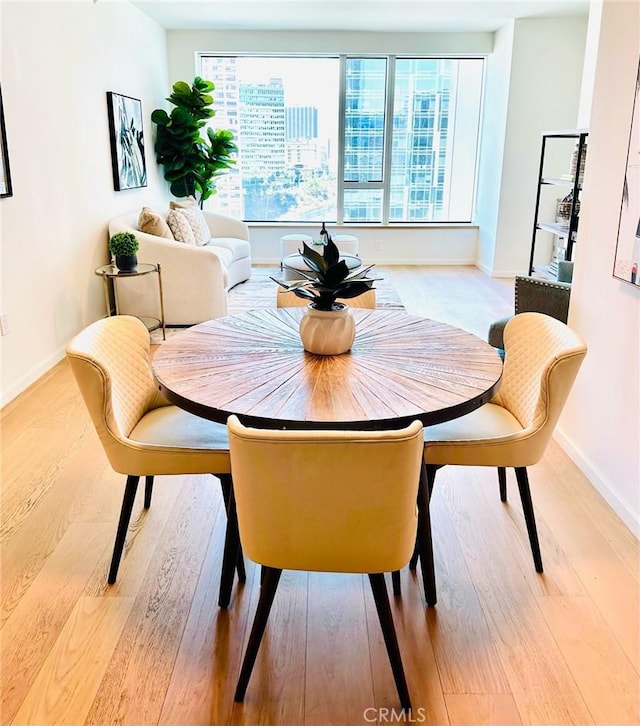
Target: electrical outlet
x=4, y=324
x=377, y=245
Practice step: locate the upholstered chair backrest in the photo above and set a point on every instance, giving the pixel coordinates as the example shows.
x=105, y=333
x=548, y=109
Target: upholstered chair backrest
x=111, y=362
x=328, y=501
x=535, y=295
x=542, y=358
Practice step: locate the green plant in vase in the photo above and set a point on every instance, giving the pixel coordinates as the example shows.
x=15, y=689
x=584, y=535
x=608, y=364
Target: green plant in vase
x=124, y=246
x=327, y=327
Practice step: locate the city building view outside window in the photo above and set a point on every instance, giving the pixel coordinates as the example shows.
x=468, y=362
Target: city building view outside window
x=405, y=150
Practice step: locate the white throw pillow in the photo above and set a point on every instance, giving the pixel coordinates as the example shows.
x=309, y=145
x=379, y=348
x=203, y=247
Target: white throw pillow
x=198, y=224
x=180, y=227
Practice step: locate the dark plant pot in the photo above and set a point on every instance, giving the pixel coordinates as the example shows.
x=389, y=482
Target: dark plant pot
x=126, y=263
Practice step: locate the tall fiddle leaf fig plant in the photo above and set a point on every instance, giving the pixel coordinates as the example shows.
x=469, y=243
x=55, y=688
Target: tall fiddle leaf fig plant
x=192, y=161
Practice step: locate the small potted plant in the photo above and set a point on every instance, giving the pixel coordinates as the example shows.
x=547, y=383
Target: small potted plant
x=327, y=327
x=123, y=246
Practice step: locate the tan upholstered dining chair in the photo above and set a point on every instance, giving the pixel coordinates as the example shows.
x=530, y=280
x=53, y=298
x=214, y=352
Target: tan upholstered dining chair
x=326, y=501
x=542, y=358
x=141, y=432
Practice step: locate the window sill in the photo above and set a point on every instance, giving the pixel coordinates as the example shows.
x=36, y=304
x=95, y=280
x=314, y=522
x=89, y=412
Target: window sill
x=366, y=225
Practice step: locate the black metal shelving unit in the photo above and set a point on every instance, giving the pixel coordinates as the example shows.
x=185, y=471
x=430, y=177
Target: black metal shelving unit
x=571, y=182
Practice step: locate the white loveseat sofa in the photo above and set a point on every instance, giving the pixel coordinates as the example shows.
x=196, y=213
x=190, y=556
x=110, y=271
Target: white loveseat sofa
x=194, y=279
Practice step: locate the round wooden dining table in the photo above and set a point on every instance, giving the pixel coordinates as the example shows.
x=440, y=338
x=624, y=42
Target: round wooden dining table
x=400, y=368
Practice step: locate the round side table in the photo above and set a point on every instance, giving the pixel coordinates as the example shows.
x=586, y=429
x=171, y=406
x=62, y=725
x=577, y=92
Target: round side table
x=111, y=272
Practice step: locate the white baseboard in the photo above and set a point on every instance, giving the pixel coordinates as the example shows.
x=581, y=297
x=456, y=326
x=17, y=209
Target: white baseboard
x=506, y=273
x=495, y=273
x=457, y=262
x=620, y=507
x=31, y=377
x=265, y=261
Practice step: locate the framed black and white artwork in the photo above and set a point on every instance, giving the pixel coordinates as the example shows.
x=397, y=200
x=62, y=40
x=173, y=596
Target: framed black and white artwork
x=5, y=172
x=127, y=142
x=627, y=259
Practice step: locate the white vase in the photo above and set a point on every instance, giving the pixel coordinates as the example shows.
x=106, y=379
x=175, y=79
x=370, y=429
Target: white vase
x=327, y=332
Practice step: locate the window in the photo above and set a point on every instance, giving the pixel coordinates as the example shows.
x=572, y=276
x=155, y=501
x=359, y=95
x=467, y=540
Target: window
x=405, y=149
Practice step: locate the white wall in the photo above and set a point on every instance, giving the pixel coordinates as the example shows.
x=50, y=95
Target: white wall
x=58, y=61
x=184, y=44
x=494, y=130
x=544, y=94
x=590, y=60
x=600, y=426
x=455, y=245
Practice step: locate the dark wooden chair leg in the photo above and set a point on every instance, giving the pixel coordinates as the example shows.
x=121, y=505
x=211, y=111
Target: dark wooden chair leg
x=413, y=562
x=148, y=491
x=424, y=537
x=231, y=552
x=242, y=573
x=267, y=593
x=225, y=485
x=123, y=525
x=529, y=516
x=395, y=582
x=502, y=481
x=381, y=599
x=431, y=479
x=226, y=482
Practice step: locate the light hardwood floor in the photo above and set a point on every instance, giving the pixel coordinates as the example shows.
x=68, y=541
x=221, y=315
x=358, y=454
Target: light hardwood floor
x=504, y=646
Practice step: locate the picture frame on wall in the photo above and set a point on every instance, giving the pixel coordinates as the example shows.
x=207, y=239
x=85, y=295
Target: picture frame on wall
x=6, y=189
x=627, y=258
x=127, y=142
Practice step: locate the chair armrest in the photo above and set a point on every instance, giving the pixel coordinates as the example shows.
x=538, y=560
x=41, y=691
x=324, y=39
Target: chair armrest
x=496, y=332
x=221, y=225
x=533, y=295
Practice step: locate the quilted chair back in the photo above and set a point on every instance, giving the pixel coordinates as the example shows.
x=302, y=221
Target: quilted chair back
x=327, y=501
x=111, y=362
x=542, y=358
